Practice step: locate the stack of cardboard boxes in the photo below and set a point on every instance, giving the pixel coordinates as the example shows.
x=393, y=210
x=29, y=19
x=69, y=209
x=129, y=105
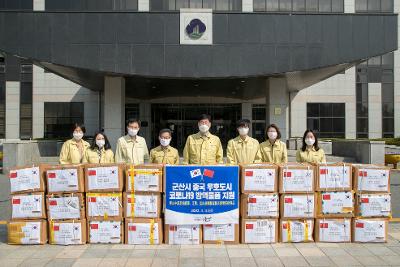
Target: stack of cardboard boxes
x=373, y=203
x=28, y=223
x=259, y=203
x=104, y=204
x=142, y=204
x=65, y=204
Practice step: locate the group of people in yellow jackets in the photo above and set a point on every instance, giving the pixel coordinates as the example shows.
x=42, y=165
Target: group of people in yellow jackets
x=202, y=148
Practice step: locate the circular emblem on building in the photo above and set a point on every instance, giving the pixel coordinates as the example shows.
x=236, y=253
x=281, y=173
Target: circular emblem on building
x=195, y=29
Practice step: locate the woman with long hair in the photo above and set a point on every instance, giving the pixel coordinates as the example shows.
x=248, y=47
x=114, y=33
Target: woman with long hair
x=273, y=149
x=310, y=151
x=99, y=151
x=73, y=150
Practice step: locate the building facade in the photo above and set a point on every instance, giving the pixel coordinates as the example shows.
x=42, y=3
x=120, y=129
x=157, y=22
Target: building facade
x=327, y=65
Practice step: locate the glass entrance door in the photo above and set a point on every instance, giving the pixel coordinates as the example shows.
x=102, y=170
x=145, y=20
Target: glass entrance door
x=182, y=120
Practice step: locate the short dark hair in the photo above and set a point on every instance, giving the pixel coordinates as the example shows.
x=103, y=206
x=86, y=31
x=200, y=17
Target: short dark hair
x=276, y=128
x=165, y=130
x=304, y=146
x=107, y=144
x=133, y=120
x=78, y=125
x=204, y=117
x=243, y=122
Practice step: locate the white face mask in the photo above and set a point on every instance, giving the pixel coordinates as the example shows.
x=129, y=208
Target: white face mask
x=272, y=135
x=77, y=136
x=204, y=128
x=243, y=131
x=309, y=141
x=165, y=142
x=133, y=132
x=100, y=143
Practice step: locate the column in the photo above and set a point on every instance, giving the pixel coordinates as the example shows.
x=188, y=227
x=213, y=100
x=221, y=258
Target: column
x=374, y=110
x=12, y=109
x=114, y=108
x=277, y=105
x=38, y=5
x=349, y=6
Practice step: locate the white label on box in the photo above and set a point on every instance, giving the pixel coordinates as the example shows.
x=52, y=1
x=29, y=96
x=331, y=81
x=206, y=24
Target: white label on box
x=260, y=231
x=105, y=232
x=62, y=180
x=259, y=180
x=334, y=177
x=25, y=179
x=298, y=180
x=67, y=233
x=369, y=231
x=145, y=206
x=184, y=234
x=375, y=205
x=297, y=231
x=103, y=205
x=335, y=230
x=298, y=206
x=263, y=205
x=103, y=178
x=337, y=202
x=146, y=180
x=30, y=233
x=219, y=232
x=141, y=234
x=64, y=208
x=373, y=180
x=26, y=206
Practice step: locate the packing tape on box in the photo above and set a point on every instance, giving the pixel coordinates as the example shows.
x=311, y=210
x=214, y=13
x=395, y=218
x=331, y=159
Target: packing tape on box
x=289, y=232
x=306, y=230
x=152, y=232
x=132, y=171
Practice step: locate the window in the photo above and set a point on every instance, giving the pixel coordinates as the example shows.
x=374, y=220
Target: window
x=25, y=130
x=374, y=6
x=327, y=119
x=60, y=116
x=362, y=110
x=258, y=122
x=299, y=5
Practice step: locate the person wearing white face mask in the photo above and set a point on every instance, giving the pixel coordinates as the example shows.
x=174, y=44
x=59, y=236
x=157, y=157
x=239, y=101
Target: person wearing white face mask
x=242, y=149
x=203, y=147
x=273, y=149
x=99, y=151
x=164, y=153
x=132, y=148
x=310, y=151
x=73, y=150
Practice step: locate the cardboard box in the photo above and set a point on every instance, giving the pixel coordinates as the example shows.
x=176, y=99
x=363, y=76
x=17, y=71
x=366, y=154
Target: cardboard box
x=333, y=230
x=371, y=178
x=221, y=233
x=296, y=178
x=295, y=231
x=260, y=205
x=298, y=206
x=21, y=232
x=65, y=206
x=143, y=231
x=104, y=177
x=147, y=178
x=104, y=206
x=373, y=205
x=335, y=204
x=259, y=231
x=67, y=232
x=142, y=205
x=334, y=177
x=27, y=179
x=182, y=234
x=65, y=178
x=370, y=230
x=106, y=232
x=259, y=178
x=28, y=206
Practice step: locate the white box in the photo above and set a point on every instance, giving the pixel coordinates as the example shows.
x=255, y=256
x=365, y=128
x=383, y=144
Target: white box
x=333, y=230
x=105, y=232
x=143, y=233
x=334, y=177
x=297, y=180
x=68, y=232
x=183, y=234
x=28, y=206
x=25, y=179
x=260, y=231
x=370, y=230
x=145, y=206
x=146, y=180
x=374, y=205
x=337, y=203
x=297, y=230
x=66, y=207
x=298, y=205
x=371, y=178
x=261, y=205
x=104, y=178
x=63, y=180
x=262, y=180
x=220, y=232
x=104, y=205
